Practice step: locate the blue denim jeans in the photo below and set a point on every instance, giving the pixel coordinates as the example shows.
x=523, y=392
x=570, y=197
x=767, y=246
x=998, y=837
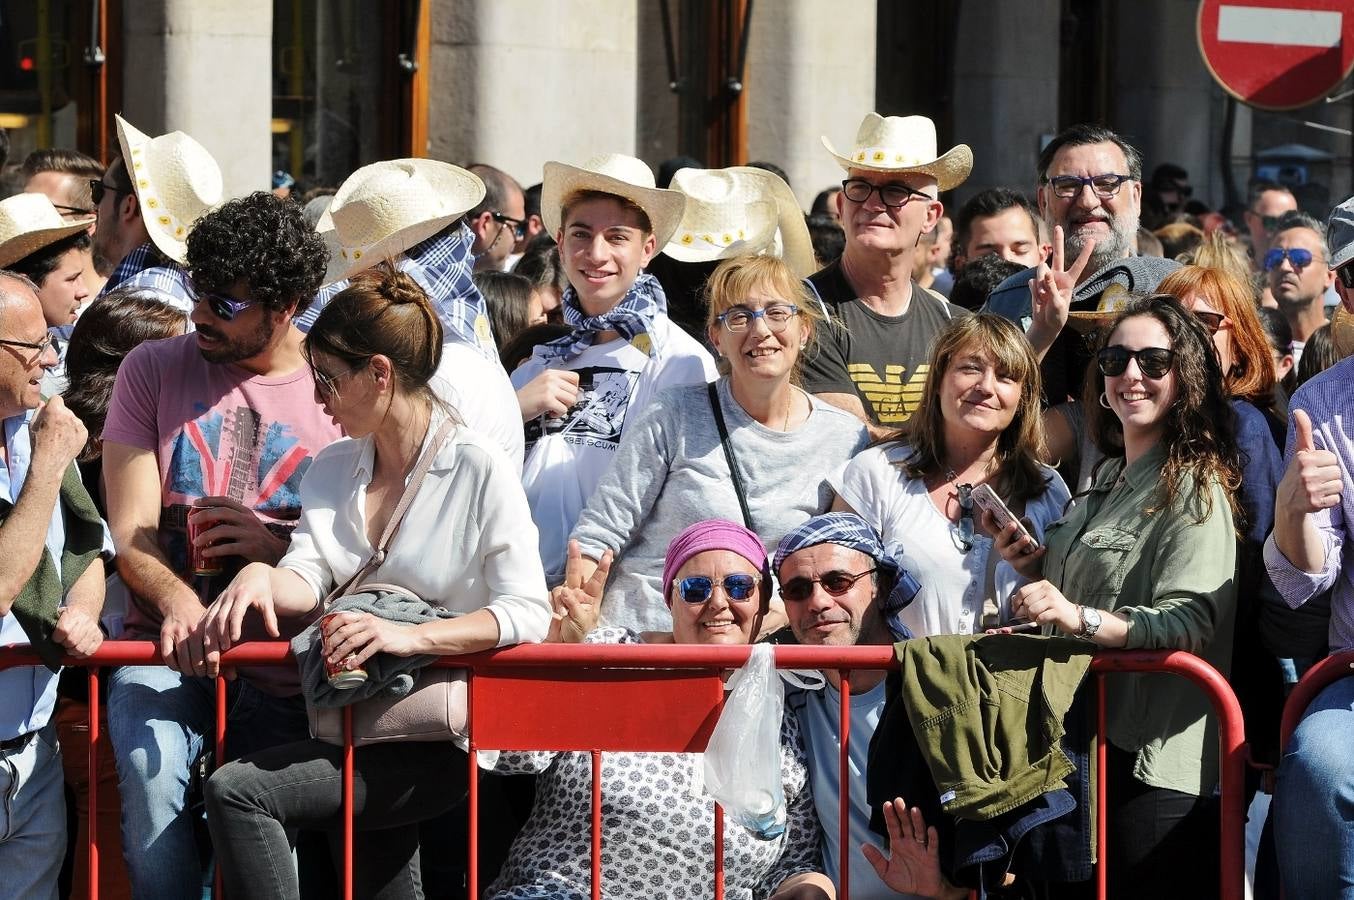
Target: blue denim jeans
x=157, y=722
x=1314, y=800
x=32, y=819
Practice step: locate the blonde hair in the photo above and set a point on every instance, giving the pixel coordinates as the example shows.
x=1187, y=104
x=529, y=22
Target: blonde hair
x=732, y=281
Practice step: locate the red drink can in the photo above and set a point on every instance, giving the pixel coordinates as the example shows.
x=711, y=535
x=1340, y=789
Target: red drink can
x=202, y=565
x=341, y=675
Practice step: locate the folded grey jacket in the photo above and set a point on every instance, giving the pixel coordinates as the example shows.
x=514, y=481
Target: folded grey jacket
x=987, y=712
x=386, y=673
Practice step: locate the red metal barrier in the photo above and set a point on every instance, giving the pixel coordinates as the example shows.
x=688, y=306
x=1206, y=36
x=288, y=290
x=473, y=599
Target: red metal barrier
x=667, y=698
x=1317, y=678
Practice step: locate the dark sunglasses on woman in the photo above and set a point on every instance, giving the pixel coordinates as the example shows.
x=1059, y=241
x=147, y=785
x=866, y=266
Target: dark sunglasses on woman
x=699, y=589
x=1153, y=362
x=835, y=583
x=1211, y=321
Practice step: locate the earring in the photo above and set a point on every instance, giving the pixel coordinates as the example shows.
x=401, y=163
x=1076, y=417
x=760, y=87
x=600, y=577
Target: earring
x=1104, y=400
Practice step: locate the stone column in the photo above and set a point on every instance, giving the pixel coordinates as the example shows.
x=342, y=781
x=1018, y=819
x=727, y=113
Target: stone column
x=204, y=67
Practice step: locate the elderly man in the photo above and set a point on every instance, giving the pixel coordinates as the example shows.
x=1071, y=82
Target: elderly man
x=872, y=363
x=1297, y=275
x=1308, y=554
x=53, y=543
x=842, y=588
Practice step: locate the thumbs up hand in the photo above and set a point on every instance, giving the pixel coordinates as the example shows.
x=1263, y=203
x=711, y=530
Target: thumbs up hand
x=1313, y=480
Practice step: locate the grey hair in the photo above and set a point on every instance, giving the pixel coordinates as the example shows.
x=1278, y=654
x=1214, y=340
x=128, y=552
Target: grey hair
x=5, y=296
x=1297, y=219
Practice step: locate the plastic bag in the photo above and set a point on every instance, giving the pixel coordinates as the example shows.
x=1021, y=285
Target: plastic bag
x=742, y=760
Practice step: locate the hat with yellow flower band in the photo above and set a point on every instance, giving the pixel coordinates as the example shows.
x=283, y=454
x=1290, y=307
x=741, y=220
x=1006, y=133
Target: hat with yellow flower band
x=904, y=144
x=176, y=182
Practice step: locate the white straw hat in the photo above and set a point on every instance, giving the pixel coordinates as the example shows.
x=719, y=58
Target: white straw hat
x=740, y=211
x=383, y=209
x=29, y=222
x=904, y=144
x=611, y=173
x=176, y=182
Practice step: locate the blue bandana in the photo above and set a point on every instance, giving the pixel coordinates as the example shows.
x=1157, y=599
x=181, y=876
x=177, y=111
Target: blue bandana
x=634, y=315
x=850, y=530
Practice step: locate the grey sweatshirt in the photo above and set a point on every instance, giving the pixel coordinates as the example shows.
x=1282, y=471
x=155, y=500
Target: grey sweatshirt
x=670, y=471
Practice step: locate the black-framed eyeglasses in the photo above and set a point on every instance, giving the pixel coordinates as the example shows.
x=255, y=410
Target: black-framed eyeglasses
x=1153, y=362
x=97, y=189
x=519, y=226
x=835, y=583
x=1346, y=275
x=1105, y=186
x=1210, y=320
x=223, y=306
x=964, y=533
x=1298, y=257
x=776, y=316
x=42, y=346
x=892, y=195
x=73, y=210
x=738, y=587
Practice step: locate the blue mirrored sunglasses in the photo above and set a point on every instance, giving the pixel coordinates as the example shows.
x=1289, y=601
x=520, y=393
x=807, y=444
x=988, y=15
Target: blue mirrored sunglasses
x=698, y=588
x=1297, y=257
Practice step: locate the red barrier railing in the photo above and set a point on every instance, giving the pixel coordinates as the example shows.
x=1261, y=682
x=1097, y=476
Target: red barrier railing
x=1316, y=679
x=667, y=698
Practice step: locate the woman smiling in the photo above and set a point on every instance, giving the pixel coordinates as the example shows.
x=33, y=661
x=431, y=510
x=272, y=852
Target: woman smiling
x=752, y=447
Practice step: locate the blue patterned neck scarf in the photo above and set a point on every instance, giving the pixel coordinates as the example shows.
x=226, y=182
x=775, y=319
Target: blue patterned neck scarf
x=634, y=315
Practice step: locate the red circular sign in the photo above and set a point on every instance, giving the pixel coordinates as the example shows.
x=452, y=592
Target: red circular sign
x=1277, y=54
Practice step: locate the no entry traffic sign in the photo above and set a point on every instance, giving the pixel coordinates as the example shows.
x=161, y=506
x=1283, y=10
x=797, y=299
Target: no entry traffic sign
x=1277, y=54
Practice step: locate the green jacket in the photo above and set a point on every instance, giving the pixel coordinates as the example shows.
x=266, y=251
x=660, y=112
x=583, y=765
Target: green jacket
x=1175, y=578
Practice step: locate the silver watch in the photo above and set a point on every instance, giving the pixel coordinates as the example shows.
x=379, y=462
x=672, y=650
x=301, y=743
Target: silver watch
x=1090, y=622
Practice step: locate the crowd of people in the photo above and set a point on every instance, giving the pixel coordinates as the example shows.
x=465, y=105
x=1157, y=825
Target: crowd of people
x=428, y=412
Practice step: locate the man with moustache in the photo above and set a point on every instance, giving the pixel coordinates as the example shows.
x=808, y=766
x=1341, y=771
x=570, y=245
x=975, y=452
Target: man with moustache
x=215, y=428
x=1090, y=195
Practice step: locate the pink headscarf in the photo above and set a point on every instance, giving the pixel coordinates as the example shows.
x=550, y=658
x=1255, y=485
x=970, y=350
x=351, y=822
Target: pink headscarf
x=711, y=534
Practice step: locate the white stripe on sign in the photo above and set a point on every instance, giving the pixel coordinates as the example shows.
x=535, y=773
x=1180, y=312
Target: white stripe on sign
x=1284, y=27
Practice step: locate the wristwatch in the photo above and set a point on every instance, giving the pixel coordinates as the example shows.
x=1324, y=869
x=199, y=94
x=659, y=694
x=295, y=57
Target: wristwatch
x=1090, y=622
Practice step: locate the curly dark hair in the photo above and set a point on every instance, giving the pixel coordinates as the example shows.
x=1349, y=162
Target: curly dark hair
x=265, y=241
x=1200, y=432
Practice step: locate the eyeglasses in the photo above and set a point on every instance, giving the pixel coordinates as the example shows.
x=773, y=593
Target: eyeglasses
x=1270, y=223
x=42, y=346
x=1297, y=257
x=223, y=306
x=1153, y=362
x=893, y=195
x=519, y=226
x=776, y=316
x=964, y=535
x=835, y=583
x=73, y=210
x=1210, y=320
x=1346, y=275
x=328, y=384
x=1105, y=186
x=97, y=189
x=699, y=589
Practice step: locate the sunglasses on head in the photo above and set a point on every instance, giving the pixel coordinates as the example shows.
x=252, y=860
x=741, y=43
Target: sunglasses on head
x=1297, y=257
x=223, y=306
x=699, y=588
x=1153, y=362
x=835, y=583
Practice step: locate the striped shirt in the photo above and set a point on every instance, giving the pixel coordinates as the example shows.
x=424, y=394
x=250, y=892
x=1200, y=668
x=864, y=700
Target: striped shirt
x=148, y=271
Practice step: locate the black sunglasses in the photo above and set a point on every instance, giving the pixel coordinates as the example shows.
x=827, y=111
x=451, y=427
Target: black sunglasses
x=1346, y=275
x=835, y=583
x=223, y=306
x=1211, y=320
x=519, y=226
x=699, y=589
x=1153, y=362
x=73, y=210
x=97, y=189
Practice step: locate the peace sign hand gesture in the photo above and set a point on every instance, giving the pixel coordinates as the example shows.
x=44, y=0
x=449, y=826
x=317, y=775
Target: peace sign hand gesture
x=578, y=602
x=1051, y=293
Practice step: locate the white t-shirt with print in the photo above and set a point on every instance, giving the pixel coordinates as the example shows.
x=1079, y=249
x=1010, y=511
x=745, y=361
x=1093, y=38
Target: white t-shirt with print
x=567, y=457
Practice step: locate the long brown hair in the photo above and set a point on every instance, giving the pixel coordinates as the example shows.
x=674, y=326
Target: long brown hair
x=1200, y=426
x=1252, y=375
x=1019, y=475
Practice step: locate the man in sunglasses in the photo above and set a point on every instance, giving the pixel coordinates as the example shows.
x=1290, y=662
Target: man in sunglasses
x=842, y=588
x=1297, y=275
x=207, y=439
x=1268, y=201
x=499, y=220
x=1307, y=555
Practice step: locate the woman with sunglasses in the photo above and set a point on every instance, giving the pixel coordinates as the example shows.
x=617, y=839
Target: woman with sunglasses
x=752, y=448
x=1146, y=559
x=658, y=822
x=978, y=423
x=466, y=547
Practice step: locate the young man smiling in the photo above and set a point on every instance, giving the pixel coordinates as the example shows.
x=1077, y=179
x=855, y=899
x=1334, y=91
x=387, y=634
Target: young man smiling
x=578, y=392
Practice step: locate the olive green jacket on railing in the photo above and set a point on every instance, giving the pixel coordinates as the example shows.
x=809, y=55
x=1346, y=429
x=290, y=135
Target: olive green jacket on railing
x=1175, y=579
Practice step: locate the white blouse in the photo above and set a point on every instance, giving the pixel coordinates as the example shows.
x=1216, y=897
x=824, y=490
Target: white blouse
x=467, y=541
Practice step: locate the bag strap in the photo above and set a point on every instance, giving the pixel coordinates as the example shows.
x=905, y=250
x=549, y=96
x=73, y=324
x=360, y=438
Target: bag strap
x=713, y=390
x=378, y=556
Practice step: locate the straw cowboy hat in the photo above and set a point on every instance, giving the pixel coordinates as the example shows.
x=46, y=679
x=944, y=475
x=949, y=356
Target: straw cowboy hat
x=176, y=182
x=611, y=173
x=1342, y=331
x=383, y=209
x=740, y=211
x=904, y=144
x=29, y=222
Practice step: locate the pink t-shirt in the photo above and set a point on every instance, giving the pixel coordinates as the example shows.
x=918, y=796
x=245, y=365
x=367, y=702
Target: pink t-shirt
x=216, y=430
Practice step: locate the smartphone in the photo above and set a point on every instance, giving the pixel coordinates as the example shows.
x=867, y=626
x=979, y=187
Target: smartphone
x=1024, y=627
x=987, y=499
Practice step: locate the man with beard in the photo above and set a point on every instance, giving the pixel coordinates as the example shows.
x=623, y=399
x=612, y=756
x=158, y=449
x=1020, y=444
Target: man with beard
x=207, y=439
x=1090, y=194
